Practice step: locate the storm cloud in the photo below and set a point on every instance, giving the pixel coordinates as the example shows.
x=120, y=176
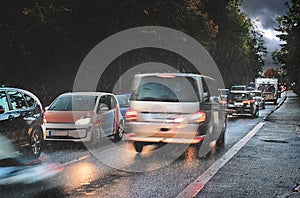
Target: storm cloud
x=265, y=10
x=265, y=13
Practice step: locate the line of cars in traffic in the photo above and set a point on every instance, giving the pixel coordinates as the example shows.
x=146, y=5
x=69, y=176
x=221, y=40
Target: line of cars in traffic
x=165, y=108
x=248, y=100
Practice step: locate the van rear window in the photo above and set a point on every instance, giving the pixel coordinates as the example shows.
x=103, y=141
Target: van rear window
x=175, y=89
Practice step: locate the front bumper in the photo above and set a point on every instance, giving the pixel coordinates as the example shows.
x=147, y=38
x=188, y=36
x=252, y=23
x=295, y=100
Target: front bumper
x=238, y=109
x=67, y=132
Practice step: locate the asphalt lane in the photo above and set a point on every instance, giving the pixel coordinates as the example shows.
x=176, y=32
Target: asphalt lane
x=86, y=175
x=268, y=166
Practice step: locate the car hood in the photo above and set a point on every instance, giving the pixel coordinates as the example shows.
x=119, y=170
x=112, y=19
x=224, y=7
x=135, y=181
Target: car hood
x=66, y=116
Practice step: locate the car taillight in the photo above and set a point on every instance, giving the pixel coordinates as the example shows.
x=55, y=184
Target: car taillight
x=229, y=101
x=198, y=117
x=247, y=102
x=131, y=115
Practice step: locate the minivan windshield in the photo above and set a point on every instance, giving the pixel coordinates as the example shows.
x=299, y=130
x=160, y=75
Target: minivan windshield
x=74, y=103
x=167, y=89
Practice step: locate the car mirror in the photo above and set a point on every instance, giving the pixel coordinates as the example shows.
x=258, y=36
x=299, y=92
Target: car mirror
x=206, y=97
x=2, y=110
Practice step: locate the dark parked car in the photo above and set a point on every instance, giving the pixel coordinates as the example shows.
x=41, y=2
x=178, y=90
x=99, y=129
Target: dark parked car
x=241, y=102
x=21, y=120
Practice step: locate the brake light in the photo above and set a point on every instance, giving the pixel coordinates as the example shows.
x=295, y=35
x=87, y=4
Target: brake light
x=198, y=117
x=131, y=115
x=229, y=101
x=165, y=76
x=247, y=101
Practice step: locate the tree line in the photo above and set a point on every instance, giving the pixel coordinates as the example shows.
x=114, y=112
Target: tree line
x=288, y=55
x=42, y=43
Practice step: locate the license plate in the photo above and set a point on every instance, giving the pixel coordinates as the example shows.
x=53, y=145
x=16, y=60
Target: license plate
x=164, y=117
x=57, y=133
x=238, y=104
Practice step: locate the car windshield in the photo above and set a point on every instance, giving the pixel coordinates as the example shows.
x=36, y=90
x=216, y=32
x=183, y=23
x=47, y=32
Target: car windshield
x=123, y=100
x=167, y=89
x=238, y=88
x=74, y=103
x=266, y=88
x=255, y=94
x=238, y=96
x=223, y=91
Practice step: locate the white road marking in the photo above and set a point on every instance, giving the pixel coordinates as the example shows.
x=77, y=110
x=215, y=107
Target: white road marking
x=194, y=188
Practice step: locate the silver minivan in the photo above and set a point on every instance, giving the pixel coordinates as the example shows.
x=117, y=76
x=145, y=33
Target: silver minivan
x=173, y=108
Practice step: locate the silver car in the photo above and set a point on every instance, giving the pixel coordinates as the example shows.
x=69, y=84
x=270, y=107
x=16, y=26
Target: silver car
x=257, y=95
x=173, y=108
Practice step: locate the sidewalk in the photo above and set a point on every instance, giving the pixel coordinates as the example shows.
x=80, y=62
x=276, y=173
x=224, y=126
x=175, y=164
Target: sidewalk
x=269, y=164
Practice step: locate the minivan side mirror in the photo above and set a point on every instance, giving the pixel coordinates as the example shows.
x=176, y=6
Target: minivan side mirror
x=2, y=110
x=206, y=97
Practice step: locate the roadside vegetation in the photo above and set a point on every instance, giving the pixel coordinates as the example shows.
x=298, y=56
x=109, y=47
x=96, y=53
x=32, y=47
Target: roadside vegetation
x=289, y=54
x=43, y=43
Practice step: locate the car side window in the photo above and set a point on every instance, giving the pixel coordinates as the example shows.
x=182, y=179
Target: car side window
x=17, y=100
x=103, y=104
x=30, y=101
x=113, y=102
x=4, y=101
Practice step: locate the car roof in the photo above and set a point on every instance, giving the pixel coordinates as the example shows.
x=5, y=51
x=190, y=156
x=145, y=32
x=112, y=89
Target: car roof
x=11, y=88
x=238, y=86
x=255, y=90
x=173, y=74
x=85, y=94
x=240, y=91
x=23, y=91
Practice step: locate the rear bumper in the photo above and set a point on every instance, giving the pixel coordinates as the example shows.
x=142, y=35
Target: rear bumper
x=163, y=132
x=195, y=140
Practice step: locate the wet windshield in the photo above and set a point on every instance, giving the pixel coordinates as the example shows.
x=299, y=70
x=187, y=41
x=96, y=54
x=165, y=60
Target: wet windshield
x=123, y=100
x=74, y=103
x=175, y=89
x=266, y=88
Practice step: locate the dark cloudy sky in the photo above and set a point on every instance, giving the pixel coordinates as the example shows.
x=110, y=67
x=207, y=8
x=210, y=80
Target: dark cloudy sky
x=266, y=11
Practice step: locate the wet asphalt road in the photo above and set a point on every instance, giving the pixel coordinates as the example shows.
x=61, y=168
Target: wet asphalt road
x=269, y=164
x=84, y=175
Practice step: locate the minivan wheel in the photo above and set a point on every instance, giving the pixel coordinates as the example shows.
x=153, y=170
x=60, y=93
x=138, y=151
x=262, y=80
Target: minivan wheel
x=138, y=146
x=119, y=134
x=36, y=143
